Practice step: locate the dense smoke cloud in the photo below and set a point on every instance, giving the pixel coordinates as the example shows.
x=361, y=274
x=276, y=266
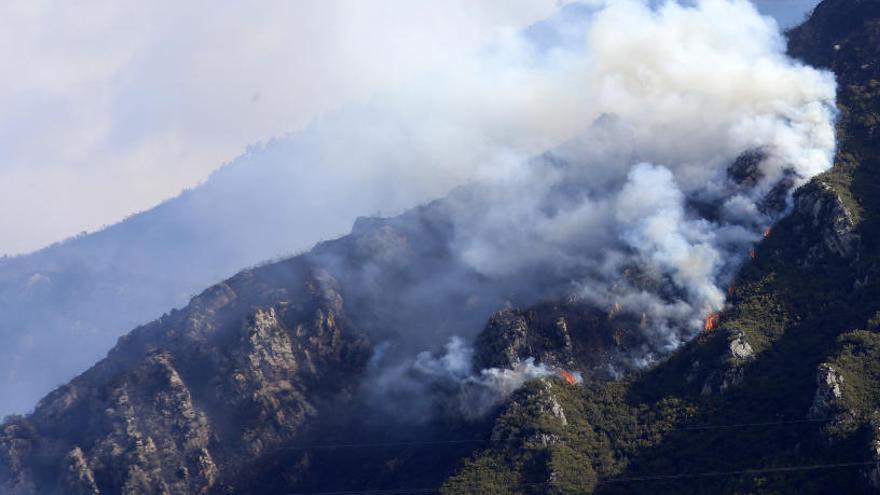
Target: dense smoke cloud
x=642, y=108
x=417, y=389
x=94, y=131
x=676, y=96
x=687, y=129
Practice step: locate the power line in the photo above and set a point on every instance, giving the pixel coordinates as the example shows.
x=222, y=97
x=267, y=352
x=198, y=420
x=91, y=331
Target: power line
x=398, y=491
x=413, y=443
x=746, y=425
x=633, y=479
x=710, y=474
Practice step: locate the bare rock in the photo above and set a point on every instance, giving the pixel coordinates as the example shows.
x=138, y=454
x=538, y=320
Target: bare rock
x=828, y=392
x=78, y=478
x=730, y=370
x=739, y=349
x=187, y=403
x=17, y=438
x=504, y=340
x=872, y=473
x=831, y=220
x=537, y=403
x=570, y=335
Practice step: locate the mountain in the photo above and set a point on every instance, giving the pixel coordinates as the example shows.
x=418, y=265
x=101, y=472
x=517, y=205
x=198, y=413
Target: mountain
x=64, y=306
x=205, y=398
x=783, y=396
x=288, y=377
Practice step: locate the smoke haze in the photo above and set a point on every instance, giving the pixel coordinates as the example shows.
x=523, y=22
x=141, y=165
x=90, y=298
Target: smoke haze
x=683, y=132
x=595, y=148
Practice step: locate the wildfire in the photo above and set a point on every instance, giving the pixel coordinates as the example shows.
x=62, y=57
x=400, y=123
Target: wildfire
x=712, y=321
x=767, y=232
x=568, y=377
x=731, y=289
x=753, y=253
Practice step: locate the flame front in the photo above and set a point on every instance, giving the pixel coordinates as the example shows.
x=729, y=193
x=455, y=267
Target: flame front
x=712, y=321
x=568, y=377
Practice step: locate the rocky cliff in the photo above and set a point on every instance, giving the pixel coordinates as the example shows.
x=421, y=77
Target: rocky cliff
x=186, y=403
x=782, y=396
x=262, y=383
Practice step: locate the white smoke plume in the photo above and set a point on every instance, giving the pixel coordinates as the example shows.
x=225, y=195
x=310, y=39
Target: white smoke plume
x=643, y=106
x=682, y=129
x=674, y=97
x=449, y=380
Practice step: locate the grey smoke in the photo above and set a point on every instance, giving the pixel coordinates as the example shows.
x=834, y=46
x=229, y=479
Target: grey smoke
x=680, y=93
x=643, y=110
x=670, y=99
x=417, y=389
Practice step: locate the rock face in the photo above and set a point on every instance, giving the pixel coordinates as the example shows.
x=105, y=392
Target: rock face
x=78, y=476
x=872, y=473
x=17, y=439
x=740, y=350
x=206, y=399
x=568, y=335
x=194, y=401
x=535, y=402
x=828, y=392
x=730, y=368
x=182, y=405
x=829, y=219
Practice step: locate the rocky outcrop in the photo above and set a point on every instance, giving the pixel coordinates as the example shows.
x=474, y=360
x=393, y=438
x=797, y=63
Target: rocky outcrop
x=730, y=368
x=738, y=348
x=828, y=222
x=536, y=403
x=77, y=477
x=153, y=437
x=568, y=335
x=871, y=474
x=505, y=340
x=828, y=392
x=17, y=445
x=181, y=406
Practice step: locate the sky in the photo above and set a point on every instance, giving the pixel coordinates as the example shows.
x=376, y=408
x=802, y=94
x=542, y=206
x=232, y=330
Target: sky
x=109, y=107
x=787, y=13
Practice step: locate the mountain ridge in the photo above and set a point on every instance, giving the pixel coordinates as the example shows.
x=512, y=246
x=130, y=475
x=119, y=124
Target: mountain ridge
x=780, y=397
x=216, y=397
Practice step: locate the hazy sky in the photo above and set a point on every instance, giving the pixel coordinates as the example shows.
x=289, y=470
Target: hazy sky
x=108, y=107
x=787, y=12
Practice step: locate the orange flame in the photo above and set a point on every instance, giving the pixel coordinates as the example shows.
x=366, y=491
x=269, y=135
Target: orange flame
x=767, y=232
x=731, y=289
x=753, y=253
x=712, y=321
x=568, y=377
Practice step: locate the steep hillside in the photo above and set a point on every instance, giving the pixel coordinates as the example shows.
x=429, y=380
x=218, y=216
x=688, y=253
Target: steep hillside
x=295, y=376
x=228, y=393
x=782, y=396
x=64, y=306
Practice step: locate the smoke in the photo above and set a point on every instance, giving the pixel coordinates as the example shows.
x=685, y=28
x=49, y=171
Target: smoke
x=589, y=154
x=700, y=129
x=682, y=131
x=448, y=382
x=94, y=131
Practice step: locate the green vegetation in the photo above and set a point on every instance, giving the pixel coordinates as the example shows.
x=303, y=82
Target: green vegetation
x=858, y=362
x=795, y=312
